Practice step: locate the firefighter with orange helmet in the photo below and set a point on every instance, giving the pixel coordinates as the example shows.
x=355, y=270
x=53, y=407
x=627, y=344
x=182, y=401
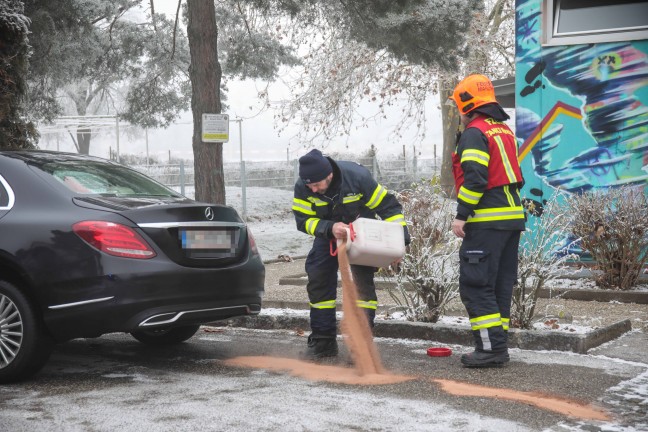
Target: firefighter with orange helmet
x=489, y=218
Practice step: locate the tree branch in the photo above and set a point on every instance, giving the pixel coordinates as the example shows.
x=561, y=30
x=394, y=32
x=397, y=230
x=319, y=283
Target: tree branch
x=153, y=15
x=175, y=28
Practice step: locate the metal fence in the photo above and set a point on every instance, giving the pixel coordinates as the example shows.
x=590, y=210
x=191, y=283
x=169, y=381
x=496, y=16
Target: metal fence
x=394, y=174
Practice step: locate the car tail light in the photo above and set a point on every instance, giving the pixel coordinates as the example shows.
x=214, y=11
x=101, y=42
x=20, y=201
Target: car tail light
x=253, y=246
x=114, y=239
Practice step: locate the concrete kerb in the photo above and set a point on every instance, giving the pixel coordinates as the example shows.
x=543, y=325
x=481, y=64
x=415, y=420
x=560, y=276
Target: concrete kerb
x=523, y=339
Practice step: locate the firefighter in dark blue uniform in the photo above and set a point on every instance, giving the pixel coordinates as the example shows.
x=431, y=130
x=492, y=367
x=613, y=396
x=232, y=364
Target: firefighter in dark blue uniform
x=489, y=218
x=328, y=196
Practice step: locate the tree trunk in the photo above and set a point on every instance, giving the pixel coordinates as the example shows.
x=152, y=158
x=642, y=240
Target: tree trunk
x=450, y=120
x=205, y=75
x=83, y=139
x=82, y=97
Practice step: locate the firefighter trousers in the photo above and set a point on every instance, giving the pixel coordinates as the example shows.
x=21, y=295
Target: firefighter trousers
x=487, y=272
x=322, y=271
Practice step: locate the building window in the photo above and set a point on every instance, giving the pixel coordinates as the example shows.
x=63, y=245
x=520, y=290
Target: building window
x=569, y=22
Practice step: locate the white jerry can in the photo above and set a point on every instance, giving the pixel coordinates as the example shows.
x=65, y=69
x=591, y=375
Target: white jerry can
x=374, y=243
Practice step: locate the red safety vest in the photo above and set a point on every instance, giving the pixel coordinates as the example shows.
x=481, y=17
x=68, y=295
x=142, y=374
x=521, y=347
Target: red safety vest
x=503, y=166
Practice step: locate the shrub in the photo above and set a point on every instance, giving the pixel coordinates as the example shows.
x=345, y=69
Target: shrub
x=428, y=277
x=542, y=257
x=612, y=225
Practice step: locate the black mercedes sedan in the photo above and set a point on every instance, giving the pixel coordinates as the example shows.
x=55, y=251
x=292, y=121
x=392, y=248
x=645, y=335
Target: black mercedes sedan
x=89, y=246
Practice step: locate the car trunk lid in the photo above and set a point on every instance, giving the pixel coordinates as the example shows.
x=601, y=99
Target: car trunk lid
x=190, y=233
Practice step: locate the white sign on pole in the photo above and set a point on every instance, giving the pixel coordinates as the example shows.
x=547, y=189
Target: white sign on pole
x=215, y=128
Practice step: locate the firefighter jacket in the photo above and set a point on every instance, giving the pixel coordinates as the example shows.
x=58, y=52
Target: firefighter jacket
x=353, y=193
x=488, y=176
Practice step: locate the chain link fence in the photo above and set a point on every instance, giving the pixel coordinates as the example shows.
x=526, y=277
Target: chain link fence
x=394, y=174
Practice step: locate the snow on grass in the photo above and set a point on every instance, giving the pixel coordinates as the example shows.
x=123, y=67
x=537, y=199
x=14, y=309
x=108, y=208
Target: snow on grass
x=583, y=282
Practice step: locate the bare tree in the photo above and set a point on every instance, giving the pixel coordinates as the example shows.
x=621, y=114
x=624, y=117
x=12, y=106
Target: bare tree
x=491, y=47
x=350, y=85
x=428, y=278
x=543, y=256
x=361, y=58
x=343, y=70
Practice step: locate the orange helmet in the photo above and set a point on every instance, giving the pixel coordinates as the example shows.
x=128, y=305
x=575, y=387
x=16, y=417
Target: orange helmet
x=472, y=92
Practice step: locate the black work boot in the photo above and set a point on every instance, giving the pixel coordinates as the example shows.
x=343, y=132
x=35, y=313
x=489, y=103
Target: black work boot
x=481, y=359
x=321, y=347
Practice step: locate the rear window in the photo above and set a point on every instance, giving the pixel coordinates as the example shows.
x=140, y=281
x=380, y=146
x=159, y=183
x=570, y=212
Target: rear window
x=94, y=178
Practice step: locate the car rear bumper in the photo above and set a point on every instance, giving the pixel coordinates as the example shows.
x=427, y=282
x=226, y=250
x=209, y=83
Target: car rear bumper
x=196, y=316
x=133, y=301
x=99, y=319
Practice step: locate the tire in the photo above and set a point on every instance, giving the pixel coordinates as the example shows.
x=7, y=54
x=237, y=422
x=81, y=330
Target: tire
x=25, y=346
x=165, y=336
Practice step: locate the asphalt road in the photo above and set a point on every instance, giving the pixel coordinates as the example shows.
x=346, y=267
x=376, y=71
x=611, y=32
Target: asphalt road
x=115, y=383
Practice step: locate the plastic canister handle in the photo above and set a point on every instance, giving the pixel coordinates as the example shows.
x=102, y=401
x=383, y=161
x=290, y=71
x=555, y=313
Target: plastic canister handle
x=331, y=251
x=352, y=234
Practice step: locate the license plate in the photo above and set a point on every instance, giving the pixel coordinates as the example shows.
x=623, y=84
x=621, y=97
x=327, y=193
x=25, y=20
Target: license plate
x=208, y=239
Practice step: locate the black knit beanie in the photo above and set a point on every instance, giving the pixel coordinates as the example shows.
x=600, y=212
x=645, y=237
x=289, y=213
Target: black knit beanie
x=314, y=167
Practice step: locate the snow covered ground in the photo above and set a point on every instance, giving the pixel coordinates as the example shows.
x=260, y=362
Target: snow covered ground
x=270, y=218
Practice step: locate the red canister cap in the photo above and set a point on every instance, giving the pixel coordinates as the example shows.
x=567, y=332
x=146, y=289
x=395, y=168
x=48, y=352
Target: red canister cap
x=439, y=352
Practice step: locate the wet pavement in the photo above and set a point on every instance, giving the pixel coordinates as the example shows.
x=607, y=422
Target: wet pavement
x=116, y=383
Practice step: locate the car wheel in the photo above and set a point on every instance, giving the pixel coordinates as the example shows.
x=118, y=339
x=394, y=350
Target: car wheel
x=25, y=346
x=165, y=336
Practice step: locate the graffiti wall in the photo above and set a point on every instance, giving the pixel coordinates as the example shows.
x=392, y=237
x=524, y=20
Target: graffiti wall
x=581, y=111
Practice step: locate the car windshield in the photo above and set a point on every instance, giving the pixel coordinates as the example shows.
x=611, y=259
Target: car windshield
x=95, y=178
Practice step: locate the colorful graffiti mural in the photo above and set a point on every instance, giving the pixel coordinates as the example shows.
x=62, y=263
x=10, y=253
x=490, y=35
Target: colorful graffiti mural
x=582, y=111
x=581, y=116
